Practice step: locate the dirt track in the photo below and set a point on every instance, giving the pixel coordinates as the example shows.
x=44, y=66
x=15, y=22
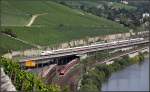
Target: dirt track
x=33, y=19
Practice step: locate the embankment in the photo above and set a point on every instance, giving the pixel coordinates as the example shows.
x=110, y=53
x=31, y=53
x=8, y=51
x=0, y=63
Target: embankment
x=93, y=79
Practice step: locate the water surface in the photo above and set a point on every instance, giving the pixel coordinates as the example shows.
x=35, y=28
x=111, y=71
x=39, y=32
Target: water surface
x=132, y=78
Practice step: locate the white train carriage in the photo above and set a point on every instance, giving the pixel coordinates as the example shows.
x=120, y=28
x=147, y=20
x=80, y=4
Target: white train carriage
x=44, y=53
x=136, y=39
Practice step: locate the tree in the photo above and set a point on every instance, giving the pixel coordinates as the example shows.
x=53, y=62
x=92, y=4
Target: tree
x=62, y=2
x=89, y=88
x=25, y=81
x=82, y=7
x=66, y=89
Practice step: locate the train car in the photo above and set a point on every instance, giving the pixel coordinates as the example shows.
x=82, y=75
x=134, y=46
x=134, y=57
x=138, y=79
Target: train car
x=113, y=43
x=136, y=39
x=81, y=48
x=30, y=64
x=48, y=73
x=44, y=53
x=62, y=50
x=141, y=38
x=123, y=41
x=68, y=67
x=96, y=45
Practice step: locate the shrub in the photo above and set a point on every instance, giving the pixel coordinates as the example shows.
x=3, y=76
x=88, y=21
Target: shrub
x=25, y=81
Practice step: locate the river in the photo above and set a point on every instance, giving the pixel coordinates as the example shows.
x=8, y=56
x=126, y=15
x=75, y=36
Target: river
x=132, y=78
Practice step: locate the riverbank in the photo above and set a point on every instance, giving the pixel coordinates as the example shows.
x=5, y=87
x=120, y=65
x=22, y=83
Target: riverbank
x=93, y=79
x=133, y=78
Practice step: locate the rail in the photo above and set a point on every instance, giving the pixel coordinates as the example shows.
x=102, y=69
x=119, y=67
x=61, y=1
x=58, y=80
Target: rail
x=84, y=51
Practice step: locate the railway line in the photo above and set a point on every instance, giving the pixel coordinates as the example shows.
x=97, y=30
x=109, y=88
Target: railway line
x=84, y=50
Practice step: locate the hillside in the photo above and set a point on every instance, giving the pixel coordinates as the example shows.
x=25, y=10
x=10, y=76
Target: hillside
x=46, y=23
x=97, y=3
x=7, y=44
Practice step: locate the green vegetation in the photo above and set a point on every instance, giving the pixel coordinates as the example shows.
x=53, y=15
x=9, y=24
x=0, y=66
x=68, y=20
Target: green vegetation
x=130, y=15
x=123, y=6
x=57, y=24
x=48, y=36
x=7, y=44
x=23, y=80
x=93, y=80
x=95, y=3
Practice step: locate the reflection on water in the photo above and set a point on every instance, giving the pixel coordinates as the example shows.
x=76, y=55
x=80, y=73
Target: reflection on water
x=132, y=78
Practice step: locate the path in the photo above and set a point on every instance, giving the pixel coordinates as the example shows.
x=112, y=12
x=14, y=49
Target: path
x=33, y=19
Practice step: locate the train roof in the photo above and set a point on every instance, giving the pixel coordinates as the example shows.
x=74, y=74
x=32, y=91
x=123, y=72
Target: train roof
x=49, y=68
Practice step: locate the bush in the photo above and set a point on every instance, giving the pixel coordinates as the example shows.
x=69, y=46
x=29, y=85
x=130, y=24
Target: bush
x=93, y=80
x=23, y=80
x=9, y=32
x=89, y=88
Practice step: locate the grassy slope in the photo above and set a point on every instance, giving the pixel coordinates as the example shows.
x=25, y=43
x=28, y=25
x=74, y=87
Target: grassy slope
x=46, y=29
x=94, y=3
x=120, y=6
x=7, y=43
x=10, y=15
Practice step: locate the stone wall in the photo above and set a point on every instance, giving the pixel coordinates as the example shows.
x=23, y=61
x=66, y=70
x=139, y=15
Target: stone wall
x=89, y=40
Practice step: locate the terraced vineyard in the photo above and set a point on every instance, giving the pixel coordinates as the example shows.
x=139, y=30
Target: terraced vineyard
x=57, y=24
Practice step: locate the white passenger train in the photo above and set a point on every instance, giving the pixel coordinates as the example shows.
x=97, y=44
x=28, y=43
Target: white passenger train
x=43, y=53
x=58, y=51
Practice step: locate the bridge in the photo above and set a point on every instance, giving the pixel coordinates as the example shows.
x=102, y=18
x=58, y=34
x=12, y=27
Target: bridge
x=58, y=56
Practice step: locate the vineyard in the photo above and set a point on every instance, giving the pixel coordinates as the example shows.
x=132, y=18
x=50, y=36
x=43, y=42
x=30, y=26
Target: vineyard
x=58, y=24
